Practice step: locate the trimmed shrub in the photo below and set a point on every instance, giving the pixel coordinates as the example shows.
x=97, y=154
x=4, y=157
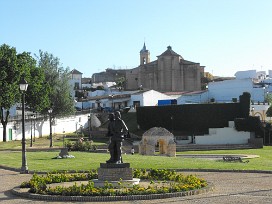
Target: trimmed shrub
x=193, y=118
x=161, y=181
x=250, y=124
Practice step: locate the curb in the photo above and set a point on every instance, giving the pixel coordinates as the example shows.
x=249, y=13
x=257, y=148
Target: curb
x=16, y=191
x=178, y=170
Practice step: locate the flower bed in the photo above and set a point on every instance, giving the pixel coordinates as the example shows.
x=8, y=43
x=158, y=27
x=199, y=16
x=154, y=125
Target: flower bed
x=156, y=181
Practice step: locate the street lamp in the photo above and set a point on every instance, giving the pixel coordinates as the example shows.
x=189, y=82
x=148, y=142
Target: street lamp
x=172, y=118
x=252, y=111
x=31, y=139
x=34, y=116
x=63, y=137
x=112, y=105
x=23, y=88
x=82, y=103
x=89, y=120
x=265, y=93
x=50, y=124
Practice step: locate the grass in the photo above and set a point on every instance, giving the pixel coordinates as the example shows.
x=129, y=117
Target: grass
x=43, y=160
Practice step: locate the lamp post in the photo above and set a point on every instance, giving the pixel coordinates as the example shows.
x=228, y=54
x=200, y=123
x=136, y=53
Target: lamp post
x=82, y=103
x=264, y=95
x=172, y=118
x=31, y=138
x=23, y=88
x=89, y=119
x=50, y=124
x=252, y=111
x=63, y=138
x=34, y=116
x=112, y=105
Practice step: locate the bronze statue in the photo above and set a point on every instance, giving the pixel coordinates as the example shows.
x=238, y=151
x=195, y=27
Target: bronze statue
x=117, y=130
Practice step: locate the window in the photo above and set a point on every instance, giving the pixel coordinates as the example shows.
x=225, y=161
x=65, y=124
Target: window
x=136, y=104
x=76, y=85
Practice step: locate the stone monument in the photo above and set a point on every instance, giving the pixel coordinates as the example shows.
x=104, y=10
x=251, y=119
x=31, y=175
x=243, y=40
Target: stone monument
x=114, y=170
x=161, y=136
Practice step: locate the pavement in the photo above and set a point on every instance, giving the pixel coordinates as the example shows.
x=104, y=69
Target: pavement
x=229, y=187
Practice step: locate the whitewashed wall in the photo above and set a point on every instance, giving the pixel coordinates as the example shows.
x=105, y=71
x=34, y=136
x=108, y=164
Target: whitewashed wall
x=42, y=128
x=136, y=97
x=227, y=135
x=246, y=74
x=150, y=98
x=219, y=136
x=84, y=104
x=224, y=91
x=96, y=93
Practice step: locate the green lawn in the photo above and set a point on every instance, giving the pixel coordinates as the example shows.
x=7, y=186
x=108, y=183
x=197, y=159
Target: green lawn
x=43, y=161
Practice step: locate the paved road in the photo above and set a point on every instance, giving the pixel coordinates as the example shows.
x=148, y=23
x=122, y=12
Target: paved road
x=230, y=188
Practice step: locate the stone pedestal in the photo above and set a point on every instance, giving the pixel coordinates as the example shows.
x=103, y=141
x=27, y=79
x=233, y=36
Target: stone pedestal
x=114, y=174
x=63, y=152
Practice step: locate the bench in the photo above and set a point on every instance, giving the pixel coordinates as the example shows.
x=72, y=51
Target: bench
x=232, y=159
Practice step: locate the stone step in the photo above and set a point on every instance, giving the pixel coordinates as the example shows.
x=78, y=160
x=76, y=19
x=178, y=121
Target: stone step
x=194, y=147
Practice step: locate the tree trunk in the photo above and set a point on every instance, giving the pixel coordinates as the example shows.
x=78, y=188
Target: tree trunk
x=4, y=124
x=4, y=132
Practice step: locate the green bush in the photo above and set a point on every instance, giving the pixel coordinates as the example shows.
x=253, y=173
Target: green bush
x=81, y=145
x=161, y=181
x=189, y=118
x=249, y=124
x=245, y=104
x=193, y=118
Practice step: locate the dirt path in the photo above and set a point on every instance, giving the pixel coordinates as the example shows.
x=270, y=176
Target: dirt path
x=230, y=188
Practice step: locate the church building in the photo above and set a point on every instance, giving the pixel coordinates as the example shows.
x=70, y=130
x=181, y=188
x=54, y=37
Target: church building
x=169, y=73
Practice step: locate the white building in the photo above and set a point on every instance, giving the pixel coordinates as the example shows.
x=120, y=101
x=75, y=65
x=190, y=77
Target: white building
x=226, y=91
x=75, y=81
x=147, y=98
x=251, y=74
x=121, y=99
x=258, y=84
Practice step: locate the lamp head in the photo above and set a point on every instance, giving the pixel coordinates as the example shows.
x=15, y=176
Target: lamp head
x=23, y=84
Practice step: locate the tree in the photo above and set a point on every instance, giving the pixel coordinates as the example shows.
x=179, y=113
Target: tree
x=57, y=78
x=120, y=83
x=9, y=80
x=37, y=92
x=12, y=67
x=245, y=104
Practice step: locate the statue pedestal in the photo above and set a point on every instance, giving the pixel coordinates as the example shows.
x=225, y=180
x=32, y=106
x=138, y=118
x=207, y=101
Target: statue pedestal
x=63, y=152
x=115, y=174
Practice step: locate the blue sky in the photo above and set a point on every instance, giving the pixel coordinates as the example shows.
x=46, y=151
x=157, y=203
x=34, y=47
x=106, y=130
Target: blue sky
x=91, y=35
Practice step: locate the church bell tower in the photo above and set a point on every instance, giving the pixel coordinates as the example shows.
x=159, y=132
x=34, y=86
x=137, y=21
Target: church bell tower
x=144, y=56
